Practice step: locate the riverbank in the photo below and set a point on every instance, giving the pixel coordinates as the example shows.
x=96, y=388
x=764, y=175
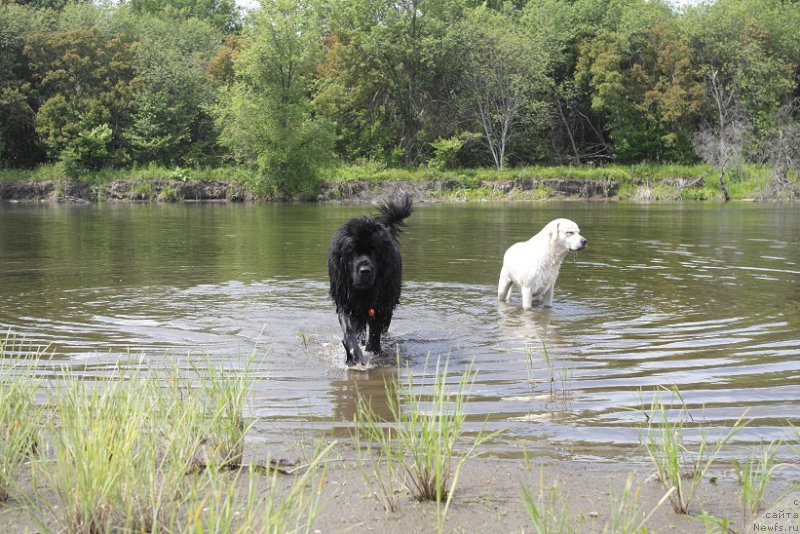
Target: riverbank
x=364, y=183
x=572, y=496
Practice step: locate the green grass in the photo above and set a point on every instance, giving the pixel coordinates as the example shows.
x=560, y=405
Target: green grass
x=549, y=512
x=753, y=475
x=236, y=502
x=420, y=441
x=546, y=509
x=643, y=181
x=21, y=421
x=680, y=469
x=626, y=513
x=143, y=451
x=225, y=397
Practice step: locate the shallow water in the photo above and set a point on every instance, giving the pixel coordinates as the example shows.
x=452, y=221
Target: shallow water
x=704, y=297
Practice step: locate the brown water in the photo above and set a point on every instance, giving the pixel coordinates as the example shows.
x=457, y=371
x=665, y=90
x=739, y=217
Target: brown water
x=704, y=297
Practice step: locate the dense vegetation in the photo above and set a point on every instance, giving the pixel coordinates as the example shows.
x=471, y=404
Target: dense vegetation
x=299, y=85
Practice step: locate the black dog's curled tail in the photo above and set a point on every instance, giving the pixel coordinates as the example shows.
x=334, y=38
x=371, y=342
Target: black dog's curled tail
x=393, y=213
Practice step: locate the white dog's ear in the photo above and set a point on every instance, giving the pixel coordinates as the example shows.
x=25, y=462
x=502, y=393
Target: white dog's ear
x=554, y=231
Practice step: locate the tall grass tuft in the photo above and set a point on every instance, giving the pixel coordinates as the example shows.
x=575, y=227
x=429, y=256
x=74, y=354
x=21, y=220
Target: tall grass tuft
x=384, y=457
x=128, y=449
x=97, y=449
x=222, y=504
x=225, y=395
x=546, y=511
x=679, y=469
x=20, y=424
x=754, y=475
x=420, y=441
x=627, y=516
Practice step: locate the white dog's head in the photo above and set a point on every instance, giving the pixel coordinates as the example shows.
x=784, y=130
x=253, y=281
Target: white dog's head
x=566, y=234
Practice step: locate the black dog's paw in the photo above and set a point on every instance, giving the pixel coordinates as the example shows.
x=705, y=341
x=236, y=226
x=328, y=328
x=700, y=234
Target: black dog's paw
x=354, y=357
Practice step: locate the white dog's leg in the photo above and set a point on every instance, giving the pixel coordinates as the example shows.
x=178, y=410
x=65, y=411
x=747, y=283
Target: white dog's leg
x=527, y=297
x=504, y=286
x=547, y=299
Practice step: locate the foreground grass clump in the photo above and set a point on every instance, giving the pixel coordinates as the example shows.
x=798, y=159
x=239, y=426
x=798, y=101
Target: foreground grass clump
x=145, y=451
x=20, y=423
x=123, y=446
x=679, y=469
x=419, y=442
x=753, y=475
x=548, y=511
x=233, y=501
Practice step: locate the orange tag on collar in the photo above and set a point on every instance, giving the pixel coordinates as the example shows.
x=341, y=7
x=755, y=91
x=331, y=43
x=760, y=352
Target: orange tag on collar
x=371, y=312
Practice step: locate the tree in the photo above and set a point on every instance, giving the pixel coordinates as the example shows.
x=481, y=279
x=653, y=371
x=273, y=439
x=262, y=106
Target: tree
x=504, y=73
x=402, y=60
x=85, y=82
x=754, y=45
x=266, y=117
x=643, y=84
x=170, y=122
x=722, y=144
x=782, y=151
x=18, y=142
x=221, y=14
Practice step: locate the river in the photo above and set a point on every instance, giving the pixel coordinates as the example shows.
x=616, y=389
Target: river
x=704, y=297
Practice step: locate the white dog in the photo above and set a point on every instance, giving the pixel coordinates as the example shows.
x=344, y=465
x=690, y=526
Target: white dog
x=533, y=265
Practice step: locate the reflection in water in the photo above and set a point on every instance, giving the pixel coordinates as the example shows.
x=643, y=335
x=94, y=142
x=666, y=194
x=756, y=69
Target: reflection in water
x=702, y=297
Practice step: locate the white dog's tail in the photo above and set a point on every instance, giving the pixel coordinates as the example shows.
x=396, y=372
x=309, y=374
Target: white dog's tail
x=393, y=214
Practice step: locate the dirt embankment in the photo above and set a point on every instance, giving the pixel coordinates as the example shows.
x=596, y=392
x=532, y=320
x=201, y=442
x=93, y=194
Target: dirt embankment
x=177, y=190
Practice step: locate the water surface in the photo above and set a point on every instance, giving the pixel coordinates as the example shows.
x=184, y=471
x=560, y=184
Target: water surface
x=703, y=297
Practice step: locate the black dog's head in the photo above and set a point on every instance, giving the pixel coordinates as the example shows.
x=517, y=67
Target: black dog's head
x=365, y=266
x=363, y=254
x=363, y=270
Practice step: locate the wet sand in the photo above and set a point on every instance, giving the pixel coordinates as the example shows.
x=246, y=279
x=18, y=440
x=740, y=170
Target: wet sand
x=489, y=499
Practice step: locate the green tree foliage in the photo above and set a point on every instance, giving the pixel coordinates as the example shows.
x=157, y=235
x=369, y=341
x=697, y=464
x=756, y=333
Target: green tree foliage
x=84, y=81
x=643, y=84
x=170, y=121
x=221, y=14
x=18, y=146
x=505, y=81
x=398, y=82
x=398, y=63
x=266, y=116
x=754, y=48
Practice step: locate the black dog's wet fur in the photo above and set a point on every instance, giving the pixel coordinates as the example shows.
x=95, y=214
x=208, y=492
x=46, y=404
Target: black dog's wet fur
x=365, y=270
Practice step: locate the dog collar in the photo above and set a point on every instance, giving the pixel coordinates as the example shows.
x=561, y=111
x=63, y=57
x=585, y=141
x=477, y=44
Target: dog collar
x=371, y=312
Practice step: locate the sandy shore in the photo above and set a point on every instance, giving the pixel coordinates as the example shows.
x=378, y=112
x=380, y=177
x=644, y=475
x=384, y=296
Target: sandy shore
x=489, y=499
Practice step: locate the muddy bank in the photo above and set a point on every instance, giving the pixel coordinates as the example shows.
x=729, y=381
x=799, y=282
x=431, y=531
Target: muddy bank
x=430, y=190
x=122, y=190
x=450, y=189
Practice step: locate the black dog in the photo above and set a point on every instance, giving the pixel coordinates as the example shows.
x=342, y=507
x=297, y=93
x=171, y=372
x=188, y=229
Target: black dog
x=365, y=271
